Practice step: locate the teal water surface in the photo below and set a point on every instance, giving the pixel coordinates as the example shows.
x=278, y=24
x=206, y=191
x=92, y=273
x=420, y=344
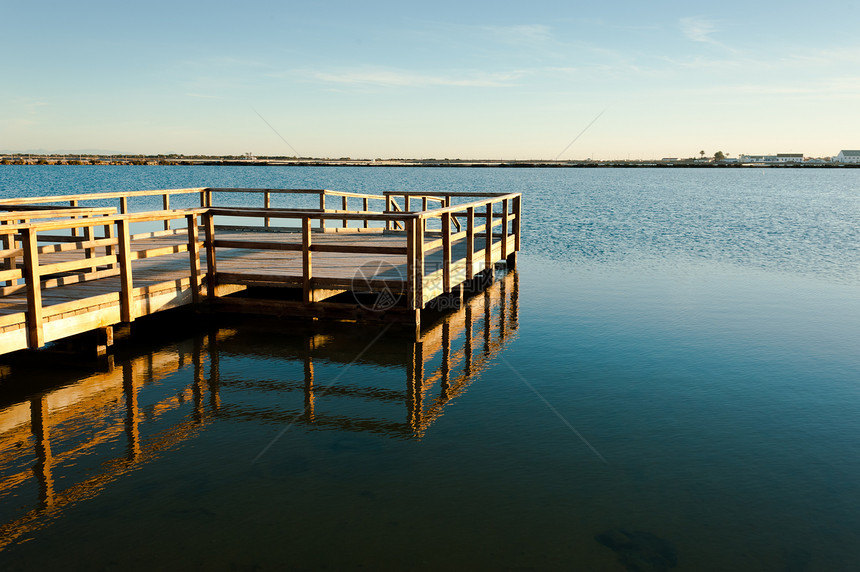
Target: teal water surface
x=668, y=381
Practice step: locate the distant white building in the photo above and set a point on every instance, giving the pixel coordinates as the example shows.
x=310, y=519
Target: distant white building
x=847, y=156
x=757, y=158
x=779, y=158
x=789, y=157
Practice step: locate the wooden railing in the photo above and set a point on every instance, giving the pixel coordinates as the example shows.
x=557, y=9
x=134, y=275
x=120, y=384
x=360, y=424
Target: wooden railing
x=492, y=221
x=104, y=256
x=459, y=228
x=451, y=239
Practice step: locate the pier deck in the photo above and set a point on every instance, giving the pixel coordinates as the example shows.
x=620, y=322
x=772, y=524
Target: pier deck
x=69, y=270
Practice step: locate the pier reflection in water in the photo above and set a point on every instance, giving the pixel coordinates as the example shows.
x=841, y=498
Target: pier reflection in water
x=79, y=434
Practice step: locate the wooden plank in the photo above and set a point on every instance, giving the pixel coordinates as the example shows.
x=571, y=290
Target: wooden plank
x=79, y=245
x=258, y=245
x=9, y=275
x=71, y=265
x=77, y=278
x=160, y=251
x=157, y=234
x=35, y=334
x=248, y=278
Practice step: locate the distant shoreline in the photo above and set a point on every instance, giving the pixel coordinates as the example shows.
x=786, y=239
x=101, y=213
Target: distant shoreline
x=430, y=163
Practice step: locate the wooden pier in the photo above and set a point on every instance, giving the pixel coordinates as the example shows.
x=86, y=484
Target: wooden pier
x=78, y=263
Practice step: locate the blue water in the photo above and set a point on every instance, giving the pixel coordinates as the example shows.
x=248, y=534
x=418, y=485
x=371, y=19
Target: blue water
x=682, y=366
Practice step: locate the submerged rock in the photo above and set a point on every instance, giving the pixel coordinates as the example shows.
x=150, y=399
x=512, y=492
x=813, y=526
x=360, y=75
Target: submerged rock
x=639, y=551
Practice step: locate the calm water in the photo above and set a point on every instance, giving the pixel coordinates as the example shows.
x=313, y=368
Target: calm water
x=671, y=380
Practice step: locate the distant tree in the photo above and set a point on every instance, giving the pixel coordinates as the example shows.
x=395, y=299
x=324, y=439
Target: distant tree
x=702, y=153
x=719, y=156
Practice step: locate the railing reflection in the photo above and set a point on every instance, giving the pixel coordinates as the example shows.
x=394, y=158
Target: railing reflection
x=100, y=427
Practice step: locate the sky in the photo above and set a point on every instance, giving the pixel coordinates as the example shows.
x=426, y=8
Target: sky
x=481, y=80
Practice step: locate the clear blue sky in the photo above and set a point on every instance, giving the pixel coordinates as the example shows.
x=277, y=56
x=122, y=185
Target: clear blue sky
x=433, y=79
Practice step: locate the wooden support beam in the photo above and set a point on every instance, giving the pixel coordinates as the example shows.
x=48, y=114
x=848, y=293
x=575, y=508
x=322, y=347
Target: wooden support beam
x=90, y=252
x=505, y=228
x=126, y=295
x=517, y=224
x=322, y=208
x=307, y=261
x=211, y=268
x=267, y=204
x=446, y=252
x=194, y=256
x=411, y=278
x=419, y=264
x=488, y=233
x=74, y=204
x=344, y=206
x=166, y=202
x=470, y=242
x=364, y=207
x=32, y=278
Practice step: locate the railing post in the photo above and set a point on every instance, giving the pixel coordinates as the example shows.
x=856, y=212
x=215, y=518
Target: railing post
x=345, y=205
x=365, y=208
x=126, y=295
x=211, y=268
x=33, y=280
x=89, y=236
x=110, y=249
x=505, y=228
x=388, y=208
x=267, y=204
x=470, y=241
x=516, y=228
x=322, y=208
x=74, y=204
x=419, y=263
x=488, y=242
x=307, y=261
x=123, y=205
x=166, y=203
x=446, y=252
x=411, y=278
x=194, y=256
x=518, y=213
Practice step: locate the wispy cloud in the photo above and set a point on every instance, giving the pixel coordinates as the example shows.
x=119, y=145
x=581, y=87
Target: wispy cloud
x=698, y=29
x=401, y=78
x=522, y=34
